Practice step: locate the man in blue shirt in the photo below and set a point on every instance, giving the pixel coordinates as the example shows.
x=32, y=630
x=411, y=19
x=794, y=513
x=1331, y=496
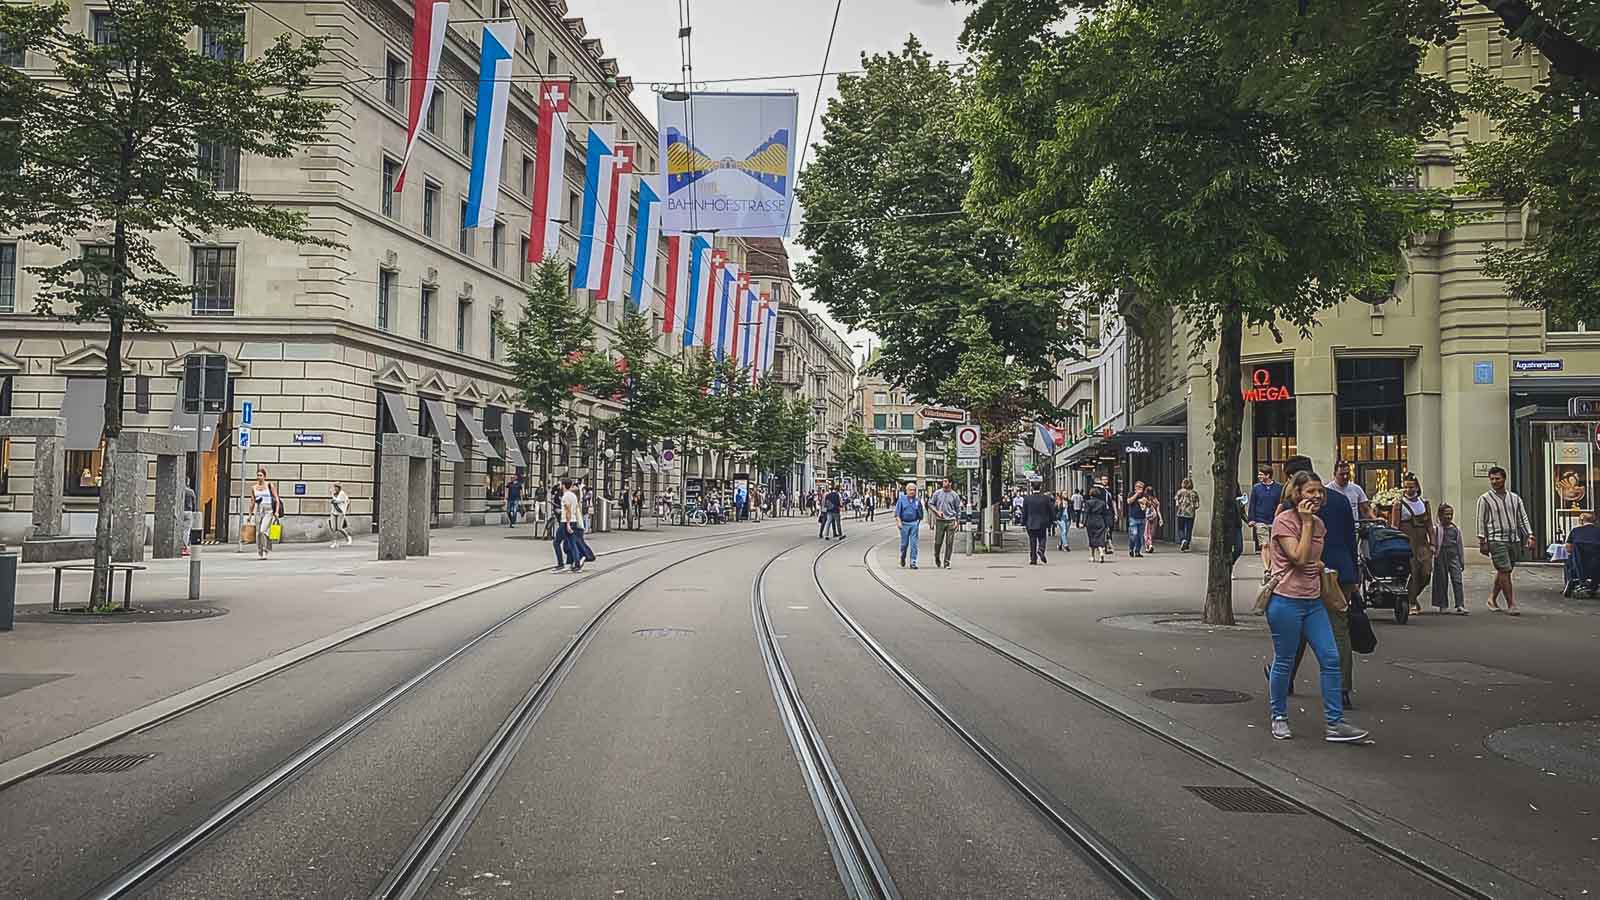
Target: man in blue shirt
x=1263, y=507
x=908, y=512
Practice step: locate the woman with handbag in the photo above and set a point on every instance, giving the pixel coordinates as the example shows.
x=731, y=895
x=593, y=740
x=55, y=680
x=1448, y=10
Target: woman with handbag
x=268, y=508
x=1411, y=514
x=1296, y=608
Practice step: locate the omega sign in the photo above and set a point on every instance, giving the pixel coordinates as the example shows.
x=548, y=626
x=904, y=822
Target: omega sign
x=1263, y=390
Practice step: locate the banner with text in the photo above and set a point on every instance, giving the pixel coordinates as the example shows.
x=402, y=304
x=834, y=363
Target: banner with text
x=729, y=162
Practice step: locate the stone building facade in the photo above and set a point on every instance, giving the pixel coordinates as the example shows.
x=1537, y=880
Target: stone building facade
x=893, y=421
x=334, y=347
x=811, y=360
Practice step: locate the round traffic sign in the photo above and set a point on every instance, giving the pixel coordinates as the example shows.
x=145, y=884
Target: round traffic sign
x=967, y=435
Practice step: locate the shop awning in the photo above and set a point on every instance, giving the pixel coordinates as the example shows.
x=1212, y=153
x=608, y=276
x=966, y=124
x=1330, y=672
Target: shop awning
x=444, y=429
x=480, y=441
x=508, y=433
x=84, y=408
x=183, y=422
x=396, y=405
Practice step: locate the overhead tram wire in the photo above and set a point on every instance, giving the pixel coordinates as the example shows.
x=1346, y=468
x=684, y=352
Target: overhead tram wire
x=816, y=102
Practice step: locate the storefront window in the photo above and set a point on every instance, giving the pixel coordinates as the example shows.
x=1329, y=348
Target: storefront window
x=1567, y=470
x=494, y=479
x=1275, y=425
x=1372, y=421
x=83, y=471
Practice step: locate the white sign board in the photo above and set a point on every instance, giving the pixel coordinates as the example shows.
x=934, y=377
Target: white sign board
x=968, y=438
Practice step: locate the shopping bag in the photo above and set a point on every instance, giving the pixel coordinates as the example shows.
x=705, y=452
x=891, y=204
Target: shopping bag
x=275, y=532
x=247, y=533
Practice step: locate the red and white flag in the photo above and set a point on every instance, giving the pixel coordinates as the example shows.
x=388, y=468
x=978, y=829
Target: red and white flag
x=550, y=176
x=679, y=246
x=430, y=20
x=618, y=215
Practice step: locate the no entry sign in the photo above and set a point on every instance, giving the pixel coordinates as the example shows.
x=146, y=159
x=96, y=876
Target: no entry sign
x=967, y=440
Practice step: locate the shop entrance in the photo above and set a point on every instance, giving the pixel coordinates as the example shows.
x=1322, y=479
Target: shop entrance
x=1372, y=421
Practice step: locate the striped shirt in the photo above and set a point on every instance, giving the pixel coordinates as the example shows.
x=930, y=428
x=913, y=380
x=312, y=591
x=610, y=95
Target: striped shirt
x=1502, y=517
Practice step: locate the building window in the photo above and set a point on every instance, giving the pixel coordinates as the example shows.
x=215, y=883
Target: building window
x=214, y=41
x=12, y=56
x=469, y=124
x=385, y=297
x=103, y=28
x=425, y=313
x=83, y=469
x=527, y=176
x=394, y=72
x=497, y=252
x=435, y=117
x=464, y=239
x=391, y=174
x=430, y=209
x=880, y=421
x=494, y=335
x=588, y=105
x=8, y=278
x=528, y=35
x=5, y=442
x=551, y=63
x=205, y=378
x=97, y=268
x=880, y=398
x=1372, y=420
x=213, y=280
x=574, y=211
x=219, y=163
x=463, y=325
x=526, y=268
x=908, y=422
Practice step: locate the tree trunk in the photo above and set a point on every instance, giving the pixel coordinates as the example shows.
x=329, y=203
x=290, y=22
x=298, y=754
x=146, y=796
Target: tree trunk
x=1227, y=421
x=100, y=584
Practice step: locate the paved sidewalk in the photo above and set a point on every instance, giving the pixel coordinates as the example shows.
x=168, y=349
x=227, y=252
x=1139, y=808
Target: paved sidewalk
x=1485, y=727
x=59, y=677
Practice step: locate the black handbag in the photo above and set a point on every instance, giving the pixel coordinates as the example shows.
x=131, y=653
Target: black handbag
x=1363, y=639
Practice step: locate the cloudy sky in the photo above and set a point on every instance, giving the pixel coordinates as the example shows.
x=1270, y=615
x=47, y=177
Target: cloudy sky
x=760, y=39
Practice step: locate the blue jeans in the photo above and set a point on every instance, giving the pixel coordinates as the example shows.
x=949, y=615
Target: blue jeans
x=1065, y=523
x=1292, y=619
x=1185, y=529
x=1135, y=535
x=577, y=549
x=559, y=540
x=908, y=538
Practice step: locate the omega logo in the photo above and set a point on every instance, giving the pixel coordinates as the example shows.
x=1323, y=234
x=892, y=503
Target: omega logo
x=1262, y=389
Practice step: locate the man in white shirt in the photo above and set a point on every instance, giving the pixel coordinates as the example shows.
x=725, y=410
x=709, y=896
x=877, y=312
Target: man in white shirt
x=1503, y=531
x=1352, y=490
x=571, y=524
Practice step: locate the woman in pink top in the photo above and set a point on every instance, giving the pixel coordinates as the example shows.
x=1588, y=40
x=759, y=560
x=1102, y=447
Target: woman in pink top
x=1296, y=609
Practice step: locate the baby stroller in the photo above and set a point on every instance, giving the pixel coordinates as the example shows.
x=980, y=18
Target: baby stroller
x=1582, y=571
x=1385, y=561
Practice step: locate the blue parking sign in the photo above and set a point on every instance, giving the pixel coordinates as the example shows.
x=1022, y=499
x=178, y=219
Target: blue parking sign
x=244, y=439
x=246, y=415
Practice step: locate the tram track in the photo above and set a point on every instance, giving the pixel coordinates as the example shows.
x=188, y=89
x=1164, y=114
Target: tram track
x=165, y=857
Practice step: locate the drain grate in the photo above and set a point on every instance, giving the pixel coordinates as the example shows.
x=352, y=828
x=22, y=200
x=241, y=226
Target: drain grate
x=1242, y=799
x=1200, y=695
x=1069, y=590
x=101, y=765
x=663, y=632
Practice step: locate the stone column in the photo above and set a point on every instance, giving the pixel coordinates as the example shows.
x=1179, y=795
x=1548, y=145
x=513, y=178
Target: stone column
x=130, y=477
x=167, y=541
x=421, y=489
x=49, y=480
x=394, y=512
x=458, y=489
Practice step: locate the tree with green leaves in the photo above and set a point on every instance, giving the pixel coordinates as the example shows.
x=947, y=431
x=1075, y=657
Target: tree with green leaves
x=649, y=386
x=1545, y=156
x=135, y=134
x=1179, y=155
x=994, y=390
x=857, y=457
x=778, y=427
x=551, y=351
x=892, y=250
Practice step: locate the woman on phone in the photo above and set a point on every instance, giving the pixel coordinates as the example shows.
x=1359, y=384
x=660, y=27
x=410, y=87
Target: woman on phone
x=1296, y=611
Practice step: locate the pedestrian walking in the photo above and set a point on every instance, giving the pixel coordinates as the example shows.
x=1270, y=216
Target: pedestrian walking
x=1236, y=522
x=1351, y=490
x=191, y=505
x=513, y=500
x=945, y=507
x=1449, y=563
x=1135, y=509
x=1412, y=516
x=1077, y=506
x=571, y=525
x=1038, y=511
x=1265, y=496
x=1338, y=558
x=339, y=516
x=1063, y=521
x=1152, y=519
x=1097, y=523
x=1582, y=541
x=268, y=509
x=1184, y=505
x=1503, y=531
x=1295, y=610
x=908, y=512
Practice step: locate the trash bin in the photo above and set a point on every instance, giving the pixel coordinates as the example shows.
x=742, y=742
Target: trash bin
x=8, y=590
x=602, y=516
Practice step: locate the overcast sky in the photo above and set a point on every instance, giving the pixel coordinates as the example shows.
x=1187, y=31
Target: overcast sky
x=747, y=38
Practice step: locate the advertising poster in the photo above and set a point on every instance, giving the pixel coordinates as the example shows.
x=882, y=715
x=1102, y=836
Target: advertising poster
x=729, y=161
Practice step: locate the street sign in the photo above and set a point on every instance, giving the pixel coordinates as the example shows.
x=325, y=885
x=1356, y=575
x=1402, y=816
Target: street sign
x=967, y=441
x=668, y=456
x=244, y=438
x=247, y=415
x=308, y=437
x=943, y=414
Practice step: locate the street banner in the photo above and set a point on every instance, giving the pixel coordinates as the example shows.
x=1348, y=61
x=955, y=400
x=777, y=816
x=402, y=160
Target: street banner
x=678, y=249
x=646, y=235
x=741, y=286
x=597, y=162
x=729, y=160
x=719, y=259
x=747, y=335
x=489, y=140
x=724, y=311
x=617, y=216
x=700, y=263
x=429, y=21
x=550, y=176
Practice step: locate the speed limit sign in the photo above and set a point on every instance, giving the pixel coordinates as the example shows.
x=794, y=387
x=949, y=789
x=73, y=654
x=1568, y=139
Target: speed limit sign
x=967, y=438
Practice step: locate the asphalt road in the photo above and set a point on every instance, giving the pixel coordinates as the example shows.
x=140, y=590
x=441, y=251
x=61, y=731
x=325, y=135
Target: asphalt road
x=661, y=766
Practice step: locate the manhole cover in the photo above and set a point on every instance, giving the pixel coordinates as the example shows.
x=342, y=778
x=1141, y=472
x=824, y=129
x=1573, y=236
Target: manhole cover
x=664, y=632
x=1069, y=590
x=100, y=765
x=1242, y=799
x=1570, y=749
x=1200, y=695
x=159, y=611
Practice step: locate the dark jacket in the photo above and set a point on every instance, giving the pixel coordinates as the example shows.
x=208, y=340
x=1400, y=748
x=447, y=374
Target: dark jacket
x=1038, y=511
x=1096, y=513
x=1264, y=499
x=1339, y=551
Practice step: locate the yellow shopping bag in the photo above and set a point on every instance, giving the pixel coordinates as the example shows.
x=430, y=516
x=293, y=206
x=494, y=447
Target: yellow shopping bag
x=275, y=532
